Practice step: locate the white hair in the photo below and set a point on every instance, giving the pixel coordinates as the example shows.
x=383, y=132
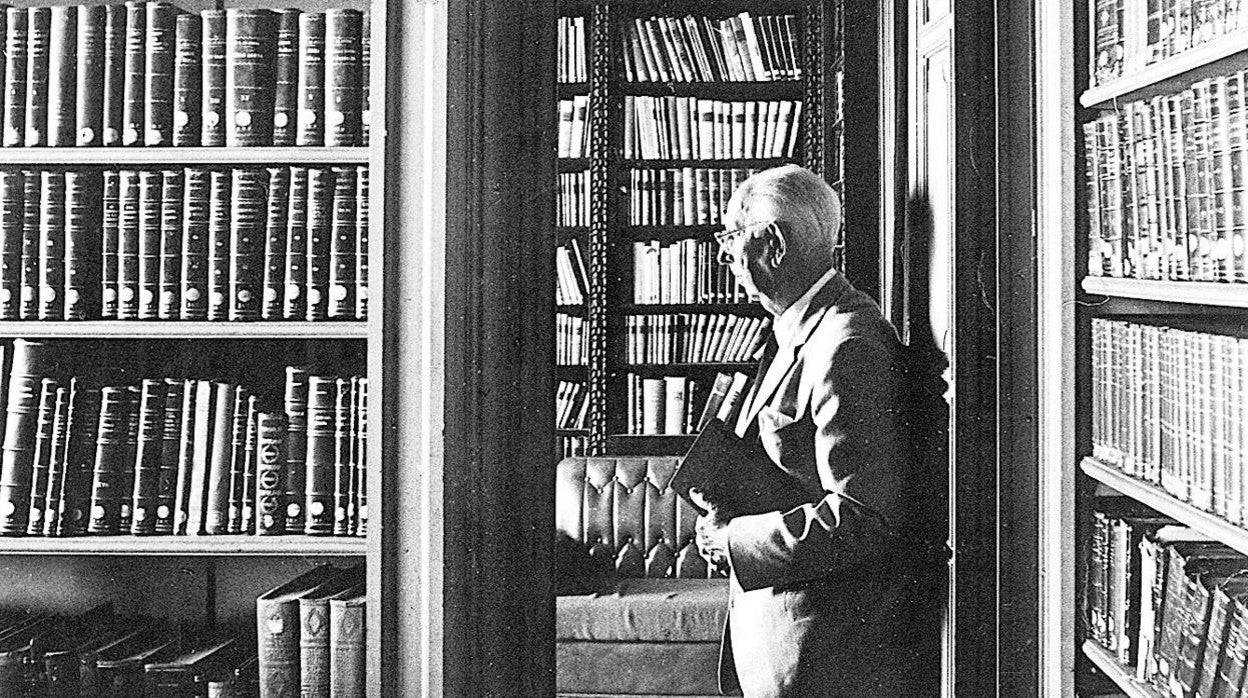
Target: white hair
x=796, y=196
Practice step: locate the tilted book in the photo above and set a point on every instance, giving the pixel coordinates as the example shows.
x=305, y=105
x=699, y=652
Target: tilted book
x=32, y=362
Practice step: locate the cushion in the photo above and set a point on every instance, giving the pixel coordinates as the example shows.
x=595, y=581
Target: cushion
x=646, y=610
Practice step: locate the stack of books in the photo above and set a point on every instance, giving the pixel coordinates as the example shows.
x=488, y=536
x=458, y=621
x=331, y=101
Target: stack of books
x=686, y=128
x=681, y=404
x=682, y=195
x=742, y=48
x=685, y=272
x=694, y=338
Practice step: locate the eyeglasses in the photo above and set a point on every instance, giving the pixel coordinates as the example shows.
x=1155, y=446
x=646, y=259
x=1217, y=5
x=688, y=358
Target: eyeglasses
x=727, y=237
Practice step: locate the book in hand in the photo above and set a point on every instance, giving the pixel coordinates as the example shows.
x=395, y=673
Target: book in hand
x=735, y=476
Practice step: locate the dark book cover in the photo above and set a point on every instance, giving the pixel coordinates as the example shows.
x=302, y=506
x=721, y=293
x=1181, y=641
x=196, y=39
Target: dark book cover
x=342, y=256
x=51, y=303
x=12, y=216
x=129, y=457
x=1234, y=657
x=201, y=457
x=320, y=230
x=1221, y=617
x=45, y=507
x=217, y=484
x=186, y=457
x=169, y=290
x=354, y=453
x=250, y=54
x=361, y=457
x=196, y=204
x=343, y=33
x=273, y=282
x=314, y=630
x=135, y=74
x=32, y=362
x=183, y=675
x=187, y=80
x=238, y=462
x=170, y=455
x=151, y=183
x=319, y=482
x=62, y=76
x=160, y=37
x=361, y=242
x=344, y=467
x=38, y=48
x=41, y=460
x=219, y=191
x=310, y=123
x=16, y=42
x=120, y=666
x=128, y=244
x=147, y=457
x=286, y=78
x=110, y=246
x=295, y=403
x=271, y=458
x=28, y=302
x=246, y=244
x=347, y=614
x=278, y=631
x=89, y=81
x=108, y=480
x=114, y=90
x=84, y=421
x=213, y=80
x=248, y=524
x=83, y=235
x=294, y=300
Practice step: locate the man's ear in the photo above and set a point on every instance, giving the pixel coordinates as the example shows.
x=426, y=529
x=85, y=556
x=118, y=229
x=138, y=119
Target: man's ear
x=777, y=244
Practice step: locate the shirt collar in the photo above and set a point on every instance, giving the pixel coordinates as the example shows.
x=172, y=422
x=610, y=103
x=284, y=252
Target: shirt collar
x=790, y=320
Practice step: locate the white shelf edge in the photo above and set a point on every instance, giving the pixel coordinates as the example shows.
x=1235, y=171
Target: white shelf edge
x=177, y=329
x=191, y=155
x=1233, y=295
x=1118, y=673
x=267, y=546
x=1162, y=501
x=1174, y=66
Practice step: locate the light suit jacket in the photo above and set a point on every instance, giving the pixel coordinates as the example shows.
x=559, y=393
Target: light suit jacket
x=822, y=595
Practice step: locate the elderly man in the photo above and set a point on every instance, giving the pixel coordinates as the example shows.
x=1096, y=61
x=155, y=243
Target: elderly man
x=822, y=595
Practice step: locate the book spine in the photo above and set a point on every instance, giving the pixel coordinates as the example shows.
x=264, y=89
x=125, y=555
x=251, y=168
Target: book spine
x=110, y=447
x=201, y=458
x=271, y=463
x=314, y=647
x=150, y=185
x=361, y=456
x=319, y=482
x=342, y=76
x=286, y=78
x=361, y=242
x=213, y=46
x=128, y=458
x=110, y=242
x=320, y=230
x=132, y=101
x=41, y=460
x=248, y=524
x=170, y=453
x=51, y=245
x=277, y=629
x=13, y=128
x=352, y=448
x=346, y=647
x=114, y=74
x=160, y=37
x=62, y=75
x=219, y=245
x=12, y=215
x=188, y=80
x=250, y=53
x=31, y=363
x=59, y=467
x=196, y=204
x=147, y=465
x=343, y=467
x=83, y=190
x=366, y=41
x=128, y=245
x=238, y=457
x=216, y=506
x=186, y=458
x=245, y=254
x=38, y=33
x=89, y=83
x=342, y=255
x=296, y=407
x=169, y=288
x=274, y=243
x=84, y=418
x=310, y=124
x=294, y=301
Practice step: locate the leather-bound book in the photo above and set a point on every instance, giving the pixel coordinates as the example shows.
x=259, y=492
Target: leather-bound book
x=238, y=462
x=219, y=190
x=169, y=289
x=270, y=473
x=150, y=184
x=344, y=467
x=89, y=80
x=213, y=77
x=187, y=80
x=62, y=76
x=361, y=242
x=135, y=76
x=69, y=666
x=201, y=458
x=314, y=629
x=182, y=675
x=110, y=241
x=319, y=482
x=119, y=666
x=41, y=459
x=310, y=123
x=84, y=423
x=347, y=614
x=246, y=245
x=147, y=457
x=32, y=362
x=274, y=263
x=366, y=40
x=45, y=502
x=107, y=481
x=28, y=299
x=342, y=256
x=13, y=126
x=354, y=454
x=196, y=203
x=342, y=76
x=295, y=275
x=320, y=230
x=128, y=237
x=161, y=41
x=248, y=525
x=278, y=631
x=296, y=407
x=286, y=78
x=170, y=451
x=217, y=500
x=51, y=245
x=114, y=87
x=12, y=212
x=361, y=456
x=250, y=53
x=129, y=455
x=83, y=190
x=186, y=458
x=38, y=46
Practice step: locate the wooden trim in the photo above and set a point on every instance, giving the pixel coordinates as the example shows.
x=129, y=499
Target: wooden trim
x=1191, y=292
x=1117, y=673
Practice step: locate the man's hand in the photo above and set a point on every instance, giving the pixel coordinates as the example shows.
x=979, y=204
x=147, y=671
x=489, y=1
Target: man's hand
x=712, y=531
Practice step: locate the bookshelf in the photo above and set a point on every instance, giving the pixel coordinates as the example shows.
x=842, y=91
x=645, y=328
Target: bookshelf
x=1115, y=671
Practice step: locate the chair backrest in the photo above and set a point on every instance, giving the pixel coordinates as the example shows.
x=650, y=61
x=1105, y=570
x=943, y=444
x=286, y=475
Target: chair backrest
x=620, y=508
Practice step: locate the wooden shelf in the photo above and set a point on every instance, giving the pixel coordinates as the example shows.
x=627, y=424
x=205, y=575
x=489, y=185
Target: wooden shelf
x=1118, y=673
x=266, y=546
x=1172, y=74
x=1192, y=292
x=1147, y=493
x=178, y=329
x=255, y=155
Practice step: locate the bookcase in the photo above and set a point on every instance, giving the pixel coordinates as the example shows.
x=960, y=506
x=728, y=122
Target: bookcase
x=209, y=579
x=664, y=107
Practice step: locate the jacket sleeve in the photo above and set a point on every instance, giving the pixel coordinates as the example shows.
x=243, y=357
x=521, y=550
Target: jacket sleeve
x=853, y=406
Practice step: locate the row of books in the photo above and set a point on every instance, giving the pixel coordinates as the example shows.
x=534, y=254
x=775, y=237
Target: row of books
x=574, y=127
x=569, y=445
x=571, y=279
x=571, y=405
x=571, y=340
x=1170, y=406
x=681, y=404
x=670, y=127
x=573, y=198
x=693, y=338
x=741, y=48
x=684, y=272
x=146, y=73
x=1128, y=35
x=1166, y=185
x=570, y=62
x=1168, y=602
x=682, y=195
x=91, y=454
x=184, y=244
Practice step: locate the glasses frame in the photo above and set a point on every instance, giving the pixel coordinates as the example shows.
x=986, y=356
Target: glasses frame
x=726, y=237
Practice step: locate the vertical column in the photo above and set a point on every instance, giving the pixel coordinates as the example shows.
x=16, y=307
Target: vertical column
x=599, y=199
x=813, y=87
